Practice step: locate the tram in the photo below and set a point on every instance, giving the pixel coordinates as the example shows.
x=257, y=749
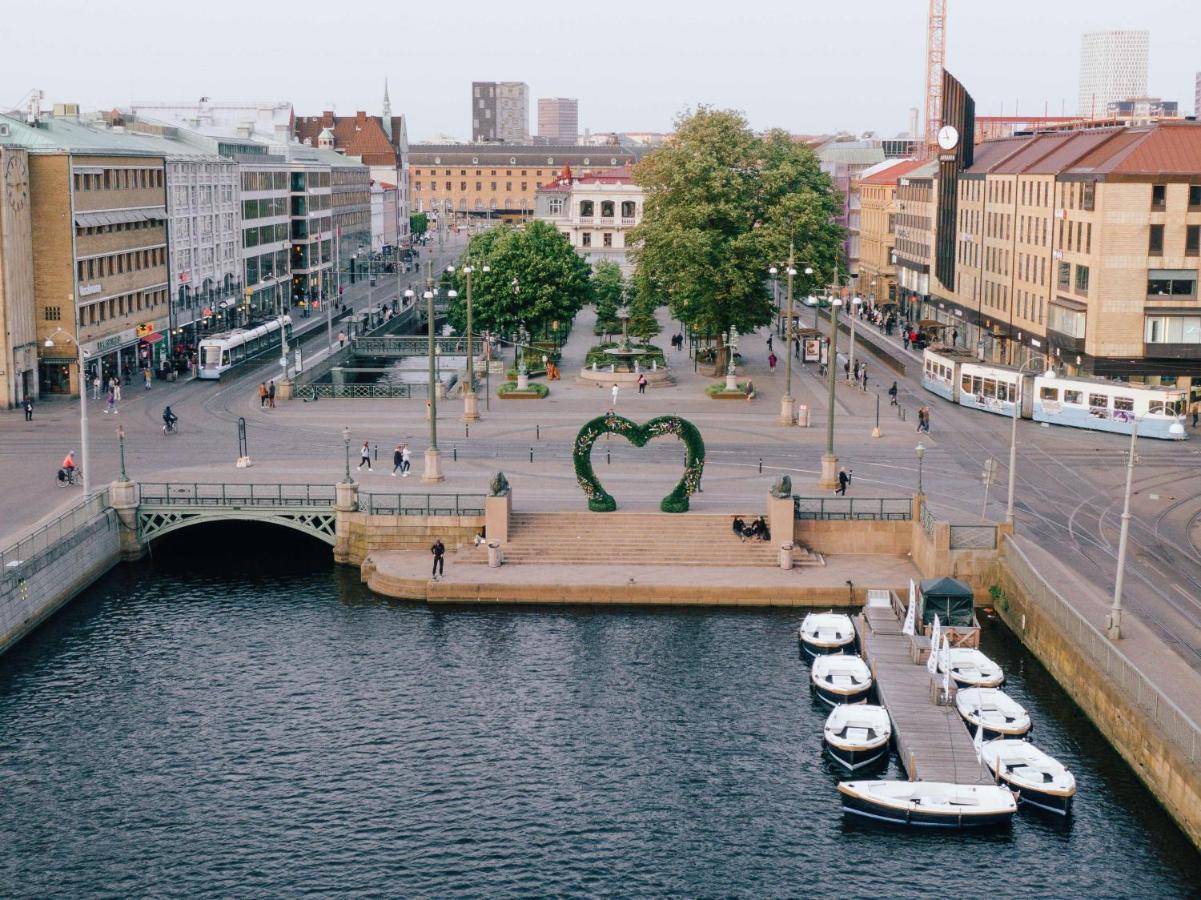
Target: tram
x=1076, y=402
x=221, y=352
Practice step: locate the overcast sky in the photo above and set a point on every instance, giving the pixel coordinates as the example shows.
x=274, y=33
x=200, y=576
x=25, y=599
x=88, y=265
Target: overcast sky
x=804, y=65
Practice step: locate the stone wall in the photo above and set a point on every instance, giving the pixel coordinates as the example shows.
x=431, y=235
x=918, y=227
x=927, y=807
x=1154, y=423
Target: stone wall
x=34, y=588
x=829, y=537
x=368, y=533
x=1037, y=617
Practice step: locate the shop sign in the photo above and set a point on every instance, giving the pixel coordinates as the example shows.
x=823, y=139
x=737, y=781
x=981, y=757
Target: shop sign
x=144, y=329
x=86, y=290
x=112, y=342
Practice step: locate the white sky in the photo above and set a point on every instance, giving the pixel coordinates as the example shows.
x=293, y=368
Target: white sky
x=805, y=65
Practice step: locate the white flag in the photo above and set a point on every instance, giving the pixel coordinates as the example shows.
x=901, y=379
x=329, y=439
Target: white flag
x=946, y=672
x=932, y=662
x=910, y=613
x=978, y=743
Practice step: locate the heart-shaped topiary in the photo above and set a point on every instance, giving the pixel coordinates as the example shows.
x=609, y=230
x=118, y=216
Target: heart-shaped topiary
x=599, y=500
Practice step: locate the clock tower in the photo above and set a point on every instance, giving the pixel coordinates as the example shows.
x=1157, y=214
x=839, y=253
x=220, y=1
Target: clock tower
x=18, y=326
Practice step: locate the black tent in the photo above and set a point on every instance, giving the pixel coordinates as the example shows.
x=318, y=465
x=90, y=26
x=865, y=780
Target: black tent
x=950, y=598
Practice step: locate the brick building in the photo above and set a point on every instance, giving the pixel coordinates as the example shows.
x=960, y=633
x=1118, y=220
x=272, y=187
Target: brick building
x=18, y=329
x=878, y=213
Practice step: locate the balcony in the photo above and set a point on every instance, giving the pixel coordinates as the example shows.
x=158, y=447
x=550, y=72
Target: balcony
x=628, y=220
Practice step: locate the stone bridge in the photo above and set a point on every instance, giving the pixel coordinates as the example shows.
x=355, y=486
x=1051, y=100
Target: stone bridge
x=166, y=507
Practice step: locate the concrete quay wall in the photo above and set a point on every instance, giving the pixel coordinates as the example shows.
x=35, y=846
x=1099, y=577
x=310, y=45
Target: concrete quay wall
x=1151, y=739
x=33, y=589
x=368, y=533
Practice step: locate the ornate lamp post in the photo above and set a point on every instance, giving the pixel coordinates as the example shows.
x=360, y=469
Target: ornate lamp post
x=787, y=415
x=829, y=477
x=470, y=402
x=732, y=347
x=433, y=462
x=920, y=452
x=346, y=479
x=121, y=444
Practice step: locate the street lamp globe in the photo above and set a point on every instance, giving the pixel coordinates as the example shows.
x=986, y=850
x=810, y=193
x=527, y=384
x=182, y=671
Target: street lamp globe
x=452, y=293
x=773, y=271
x=486, y=269
x=808, y=270
x=920, y=450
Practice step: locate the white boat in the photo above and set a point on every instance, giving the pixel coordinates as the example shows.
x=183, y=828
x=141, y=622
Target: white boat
x=1000, y=714
x=929, y=804
x=839, y=678
x=857, y=735
x=827, y=632
x=970, y=668
x=1039, y=780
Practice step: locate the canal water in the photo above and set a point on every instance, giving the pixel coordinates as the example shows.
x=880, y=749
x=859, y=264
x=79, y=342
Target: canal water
x=184, y=730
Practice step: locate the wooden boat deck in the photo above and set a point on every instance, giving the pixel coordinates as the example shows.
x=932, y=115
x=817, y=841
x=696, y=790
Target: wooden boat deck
x=932, y=741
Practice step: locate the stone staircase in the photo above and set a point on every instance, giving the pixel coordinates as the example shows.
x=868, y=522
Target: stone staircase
x=636, y=539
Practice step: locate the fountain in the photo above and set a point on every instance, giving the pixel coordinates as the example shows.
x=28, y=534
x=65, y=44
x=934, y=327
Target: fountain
x=626, y=367
x=623, y=353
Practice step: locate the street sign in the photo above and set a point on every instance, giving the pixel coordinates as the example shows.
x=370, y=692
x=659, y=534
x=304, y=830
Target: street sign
x=990, y=471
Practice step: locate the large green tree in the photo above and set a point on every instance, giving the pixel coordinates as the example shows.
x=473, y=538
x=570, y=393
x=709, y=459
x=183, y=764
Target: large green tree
x=722, y=206
x=534, y=278
x=608, y=291
x=418, y=223
x=644, y=300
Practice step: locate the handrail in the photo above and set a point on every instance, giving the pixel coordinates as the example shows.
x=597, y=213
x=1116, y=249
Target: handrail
x=55, y=530
x=422, y=504
x=825, y=508
x=235, y=494
x=1082, y=634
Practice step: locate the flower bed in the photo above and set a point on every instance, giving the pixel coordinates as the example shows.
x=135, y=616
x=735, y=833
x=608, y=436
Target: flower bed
x=509, y=391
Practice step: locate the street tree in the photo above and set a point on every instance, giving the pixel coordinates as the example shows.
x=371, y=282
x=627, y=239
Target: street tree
x=722, y=206
x=645, y=299
x=608, y=291
x=419, y=223
x=534, y=278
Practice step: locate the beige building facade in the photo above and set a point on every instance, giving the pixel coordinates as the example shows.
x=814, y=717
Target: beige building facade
x=18, y=329
x=878, y=210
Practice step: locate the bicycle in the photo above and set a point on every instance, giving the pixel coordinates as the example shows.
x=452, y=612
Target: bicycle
x=69, y=477
x=171, y=427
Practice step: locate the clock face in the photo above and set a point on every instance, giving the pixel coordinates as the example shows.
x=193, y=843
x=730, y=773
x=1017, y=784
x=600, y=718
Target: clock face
x=948, y=137
x=18, y=182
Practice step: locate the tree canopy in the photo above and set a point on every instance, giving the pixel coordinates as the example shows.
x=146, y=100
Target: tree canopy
x=722, y=206
x=535, y=278
x=608, y=292
x=418, y=223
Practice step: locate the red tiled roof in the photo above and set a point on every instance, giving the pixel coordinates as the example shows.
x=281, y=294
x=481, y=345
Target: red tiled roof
x=358, y=135
x=893, y=172
x=1168, y=148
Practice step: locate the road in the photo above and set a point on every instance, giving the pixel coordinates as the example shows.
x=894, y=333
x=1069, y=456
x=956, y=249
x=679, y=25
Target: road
x=1069, y=482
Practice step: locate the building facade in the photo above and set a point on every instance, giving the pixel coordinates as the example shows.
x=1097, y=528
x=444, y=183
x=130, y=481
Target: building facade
x=459, y=181
x=558, y=119
x=879, y=209
x=1141, y=110
x=18, y=328
x=1113, y=66
x=383, y=216
x=845, y=162
x=500, y=112
x=595, y=212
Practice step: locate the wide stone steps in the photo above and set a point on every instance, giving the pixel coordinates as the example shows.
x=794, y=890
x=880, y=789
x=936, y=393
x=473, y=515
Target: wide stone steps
x=640, y=539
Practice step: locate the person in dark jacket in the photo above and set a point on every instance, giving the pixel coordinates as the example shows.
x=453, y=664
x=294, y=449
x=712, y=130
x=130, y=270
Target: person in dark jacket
x=438, y=550
x=28, y=407
x=843, y=480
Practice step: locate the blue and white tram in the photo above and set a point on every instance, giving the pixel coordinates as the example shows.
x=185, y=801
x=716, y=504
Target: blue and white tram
x=940, y=371
x=221, y=352
x=1111, y=406
x=995, y=389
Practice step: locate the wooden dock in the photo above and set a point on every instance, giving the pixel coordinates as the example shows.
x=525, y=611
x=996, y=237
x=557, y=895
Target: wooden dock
x=932, y=741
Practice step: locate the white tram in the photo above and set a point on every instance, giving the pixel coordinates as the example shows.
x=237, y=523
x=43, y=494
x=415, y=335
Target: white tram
x=221, y=352
x=1090, y=403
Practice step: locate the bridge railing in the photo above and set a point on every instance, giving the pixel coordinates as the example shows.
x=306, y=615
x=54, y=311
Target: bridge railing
x=52, y=532
x=382, y=390
x=182, y=493
x=824, y=508
x=422, y=504
x=410, y=345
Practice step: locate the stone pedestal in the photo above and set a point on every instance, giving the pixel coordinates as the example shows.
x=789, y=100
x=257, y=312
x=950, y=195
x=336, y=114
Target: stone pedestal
x=780, y=516
x=829, y=477
x=786, y=413
x=496, y=518
x=123, y=495
x=346, y=503
x=433, y=466
x=523, y=381
x=440, y=389
x=471, y=411
x=731, y=382
x=876, y=431
x=284, y=390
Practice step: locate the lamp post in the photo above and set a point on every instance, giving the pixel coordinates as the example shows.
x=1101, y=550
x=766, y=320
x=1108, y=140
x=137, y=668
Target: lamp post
x=1013, y=441
x=121, y=444
x=433, y=462
x=515, y=287
x=856, y=303
x=470, y=402
x=919, y=451
x=829, y=477
x=83, y=401
x=346, y=479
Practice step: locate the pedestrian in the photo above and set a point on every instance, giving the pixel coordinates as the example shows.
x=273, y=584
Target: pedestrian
x=116, y=391
x=271, y=394
x=365, y=456
x=954, y=337
x=855, y=371
x=341, y=339
x=398, y=459
x=771, y=362
x=863, y=378
x=96, y=387
x=892, y=395
x=750, y=390
x=642, y=384
x=262, y=394
x=613, y=392
x=28, y=407
x=438, y=550
x=110, y=402
x=905, y=338
x=1195, y=408
x=146, y=377
x=846, y=369
x=796, y=349
x=843, y=480
x=769, y=348
x=406, y=462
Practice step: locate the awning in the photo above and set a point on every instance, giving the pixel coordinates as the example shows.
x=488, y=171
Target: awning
x=118, y=217
x=932, y=323
x=152, y=338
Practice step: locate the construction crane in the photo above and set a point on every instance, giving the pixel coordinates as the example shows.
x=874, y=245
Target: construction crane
x=936, y=36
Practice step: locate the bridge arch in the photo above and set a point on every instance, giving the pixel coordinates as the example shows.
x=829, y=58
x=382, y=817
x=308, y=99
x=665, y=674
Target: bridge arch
x=154, y=522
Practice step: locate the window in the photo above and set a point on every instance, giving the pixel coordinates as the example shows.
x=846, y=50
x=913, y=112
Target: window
x=1155, y=244
x=1074, y=397
x=1159, y=194
x=1192, y=240
x=1172, y=330
x=1194, y=196
x=1068, y=322
x=586, y=239
x=1172, y=283
x=1048, y=393
x=1125, y=404
x=1098, y=401
x=1081, y=279
x=608, y=239
x=1065, y=275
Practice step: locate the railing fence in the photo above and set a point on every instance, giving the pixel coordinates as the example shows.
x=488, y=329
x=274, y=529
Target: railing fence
x=827, y=508
x=54, y=531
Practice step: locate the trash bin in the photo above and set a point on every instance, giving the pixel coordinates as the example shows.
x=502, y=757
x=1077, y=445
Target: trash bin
x=786, y=555
x=802, y=416
x=495, y=555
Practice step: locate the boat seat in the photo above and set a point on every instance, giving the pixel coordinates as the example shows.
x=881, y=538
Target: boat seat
x=1028, y=774
x=858, y=734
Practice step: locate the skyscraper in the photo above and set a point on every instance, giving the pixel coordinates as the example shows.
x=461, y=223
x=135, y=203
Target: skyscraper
x=1197, y=98
x=1113, y=66
x=500, y=111
x=559, y=119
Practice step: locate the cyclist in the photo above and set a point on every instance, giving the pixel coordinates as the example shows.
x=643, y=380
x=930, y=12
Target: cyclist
x=169, y=419
x=67, y=470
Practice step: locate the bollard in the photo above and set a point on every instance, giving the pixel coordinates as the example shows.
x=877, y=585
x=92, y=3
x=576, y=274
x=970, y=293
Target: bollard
x=531, y=454
x=377, y=452
x=537, y=432
x=455, y=452
x=466, y=430
x=760, y=465
x=608, y=457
